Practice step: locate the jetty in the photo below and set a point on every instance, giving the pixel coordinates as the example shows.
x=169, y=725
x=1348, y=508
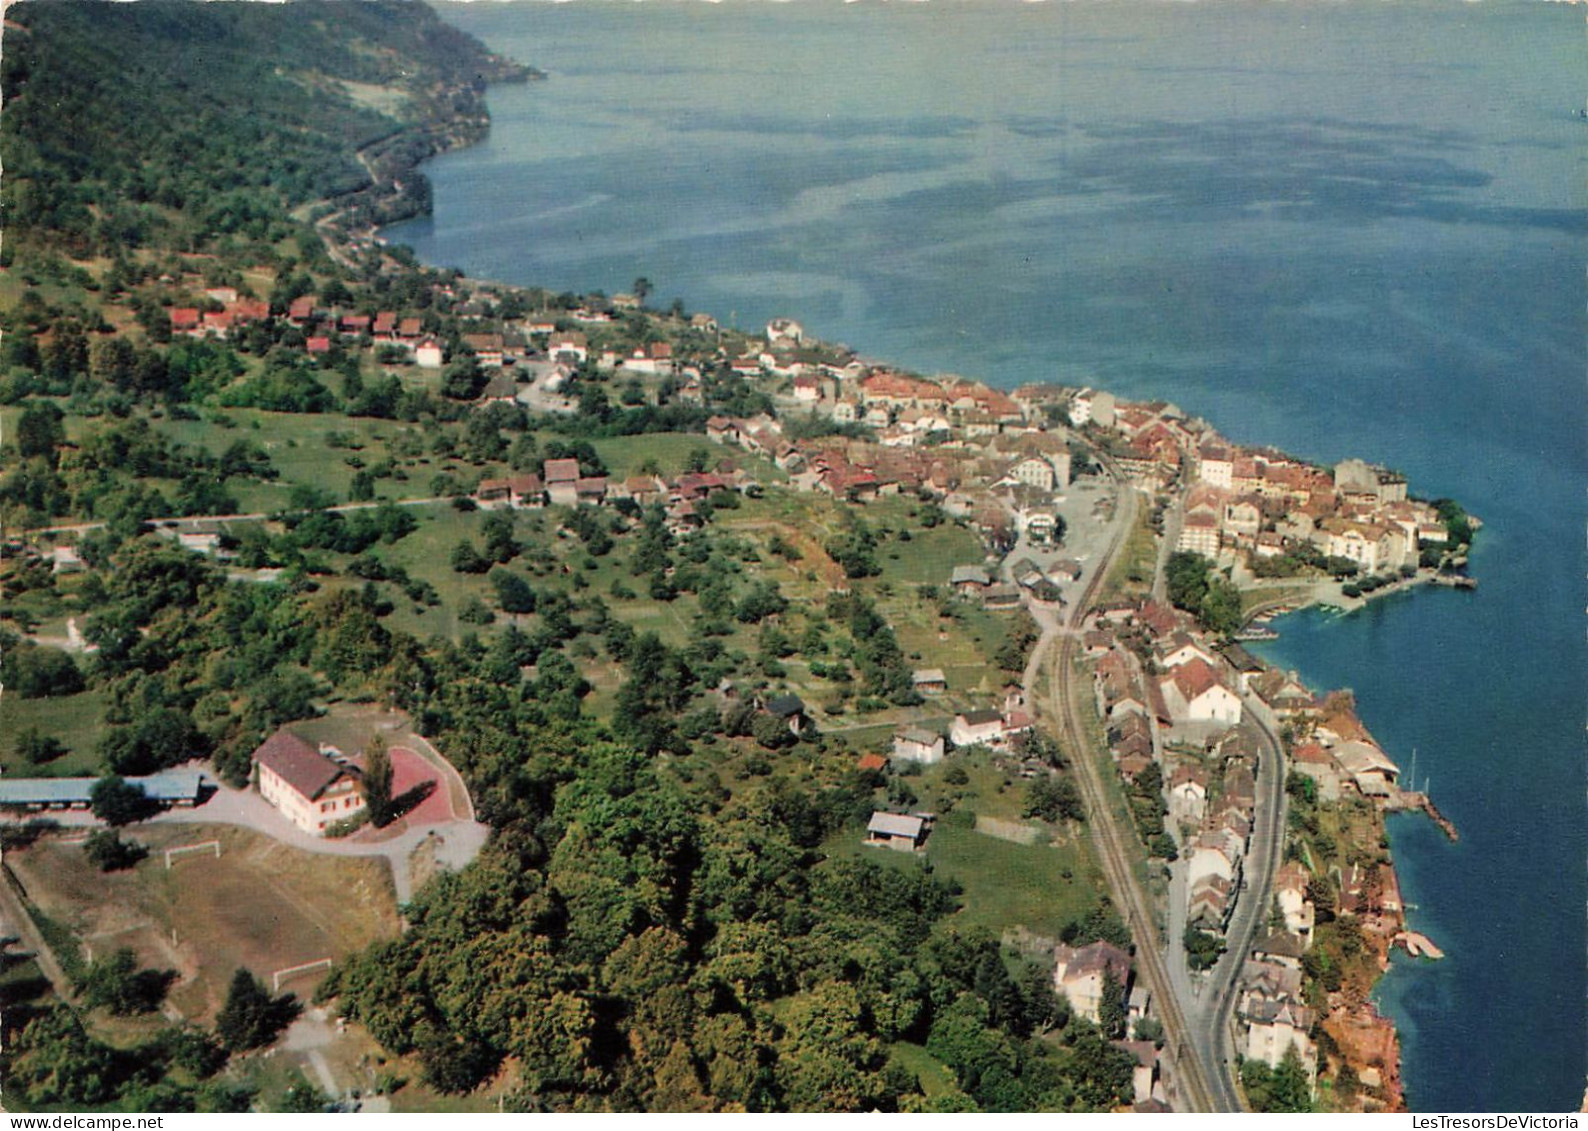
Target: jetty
x=1417, y=944
x=1406, y=800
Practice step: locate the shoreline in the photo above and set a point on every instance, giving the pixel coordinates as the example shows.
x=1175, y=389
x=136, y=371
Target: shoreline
x=1358, y=1019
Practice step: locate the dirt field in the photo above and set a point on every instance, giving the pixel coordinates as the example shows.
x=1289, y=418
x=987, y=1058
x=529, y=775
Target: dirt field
x=260, y=905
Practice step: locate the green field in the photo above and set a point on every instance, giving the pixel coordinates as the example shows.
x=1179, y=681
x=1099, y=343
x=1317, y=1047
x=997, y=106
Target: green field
x=75, y=720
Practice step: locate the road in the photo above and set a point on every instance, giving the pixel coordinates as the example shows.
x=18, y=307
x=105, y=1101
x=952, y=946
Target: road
x=260, y=516
x=1210, y=1016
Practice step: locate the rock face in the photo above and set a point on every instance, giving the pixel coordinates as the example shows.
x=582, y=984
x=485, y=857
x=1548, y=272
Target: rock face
x=1367, y=1042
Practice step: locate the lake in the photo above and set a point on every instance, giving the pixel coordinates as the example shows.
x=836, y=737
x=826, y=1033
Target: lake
x=1343, y=229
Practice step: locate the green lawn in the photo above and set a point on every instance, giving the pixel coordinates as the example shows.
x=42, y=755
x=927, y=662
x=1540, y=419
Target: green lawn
x=928, y=557
x=623, y=455
x=76, y=720
x=935, y=1077
x=1036, y=886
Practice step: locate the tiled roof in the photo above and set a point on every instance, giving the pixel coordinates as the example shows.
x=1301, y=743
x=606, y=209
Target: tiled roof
x=298, y=763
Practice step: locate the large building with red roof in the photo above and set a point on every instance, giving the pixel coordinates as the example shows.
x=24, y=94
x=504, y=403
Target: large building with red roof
x=312, y=790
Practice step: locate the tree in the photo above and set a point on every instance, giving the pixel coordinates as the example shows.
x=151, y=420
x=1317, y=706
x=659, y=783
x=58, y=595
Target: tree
x=110, y=853
x=251, y=1018
x=463, y=379
x=1220, y=609
x=302, y=1097
x=1202, y=949
x=500, y=545
x=37, y=673
x=642, y=289
x=1186, y=574
x=36, y=748
x=40, y=431
x=1282, y=1089
x=116, y=984
x=1150, y=1029
x=466, y=559
x=117, y=801
x=1054, y=798
x=378, y=781
x=1111, y=1015
x=772, y=732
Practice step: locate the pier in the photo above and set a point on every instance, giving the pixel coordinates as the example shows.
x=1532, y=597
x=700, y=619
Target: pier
x=1417, y=944
x=1405, y=800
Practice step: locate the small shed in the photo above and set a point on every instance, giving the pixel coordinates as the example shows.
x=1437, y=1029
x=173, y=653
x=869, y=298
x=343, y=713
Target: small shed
x=905, y=832
x=791, y=709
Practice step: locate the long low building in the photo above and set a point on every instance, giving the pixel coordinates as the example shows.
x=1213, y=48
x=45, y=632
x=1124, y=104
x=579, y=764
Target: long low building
x=181, y=789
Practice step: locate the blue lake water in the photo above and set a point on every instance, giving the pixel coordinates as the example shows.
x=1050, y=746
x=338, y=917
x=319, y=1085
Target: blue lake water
x=1344, y=229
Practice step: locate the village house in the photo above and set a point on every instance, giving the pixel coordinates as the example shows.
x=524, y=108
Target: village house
x=1144, y=1077
x=1367, y=766
x=310, y=789
x=915, y=744
x=1180, y=648
x=1372, y=546
x=1246, y=666
x=1034, y=471
x=1312, y=761
x=1187, y=794
x=428, y=355
x=65, y=559
x=969, y=581
x=186, y=320
x=514, y=491
x=1195, y=694
x=1209, y=902
x=1001, y=597
x=562, y=481
x=1290, y=894
x=1275, y=1020
x=929, y=681
x=784, y=333
x=1079, y=974
x=570, y=347
x=488, y=349
x=300, y=311
x=1216, y=466
x=1199, y=534
x=977, y=728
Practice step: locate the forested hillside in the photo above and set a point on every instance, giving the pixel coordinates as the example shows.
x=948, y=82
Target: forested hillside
x=674, y=910
x=171, y=123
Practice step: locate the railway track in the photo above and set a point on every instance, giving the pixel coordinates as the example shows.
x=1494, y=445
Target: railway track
x=1201, y=1083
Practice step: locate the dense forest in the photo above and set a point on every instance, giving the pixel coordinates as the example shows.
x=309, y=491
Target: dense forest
x=171, y=123
x=642, y=931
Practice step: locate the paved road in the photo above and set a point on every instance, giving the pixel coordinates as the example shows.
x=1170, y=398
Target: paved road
x=1210, y=1018
x=342, y=508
